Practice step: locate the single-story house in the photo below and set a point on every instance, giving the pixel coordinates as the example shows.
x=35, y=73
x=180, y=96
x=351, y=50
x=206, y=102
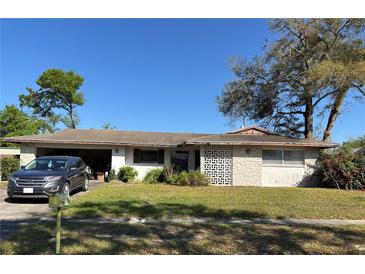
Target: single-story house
x=250, y=156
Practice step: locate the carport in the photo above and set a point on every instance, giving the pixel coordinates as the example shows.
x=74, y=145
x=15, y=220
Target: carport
x=99, y=160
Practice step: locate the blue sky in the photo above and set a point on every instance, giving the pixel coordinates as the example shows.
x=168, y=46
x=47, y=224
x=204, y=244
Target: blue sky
x=154, y=75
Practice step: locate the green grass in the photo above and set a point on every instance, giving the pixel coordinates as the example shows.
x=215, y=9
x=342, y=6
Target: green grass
x=148, y=200
x=186, y=239
x=3, y=184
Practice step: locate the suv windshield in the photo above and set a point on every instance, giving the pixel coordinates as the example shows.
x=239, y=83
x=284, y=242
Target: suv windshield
x=46, y=164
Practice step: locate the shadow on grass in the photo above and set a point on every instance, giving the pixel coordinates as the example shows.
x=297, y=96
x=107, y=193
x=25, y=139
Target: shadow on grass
x=185, y=239
x=157, y=210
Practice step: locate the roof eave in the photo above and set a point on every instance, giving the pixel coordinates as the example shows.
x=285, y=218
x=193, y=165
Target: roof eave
x=74, y=142
x=329, y=145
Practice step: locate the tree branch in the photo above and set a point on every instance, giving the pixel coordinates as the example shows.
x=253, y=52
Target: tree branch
x=290, y=112
x=359, y=89
x=324, y=96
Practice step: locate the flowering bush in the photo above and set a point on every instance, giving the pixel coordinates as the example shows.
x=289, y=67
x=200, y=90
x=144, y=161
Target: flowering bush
x=342, y=169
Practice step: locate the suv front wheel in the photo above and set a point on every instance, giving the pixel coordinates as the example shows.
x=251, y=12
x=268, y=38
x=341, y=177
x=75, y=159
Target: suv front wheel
x=66, y=188
x=85, y=187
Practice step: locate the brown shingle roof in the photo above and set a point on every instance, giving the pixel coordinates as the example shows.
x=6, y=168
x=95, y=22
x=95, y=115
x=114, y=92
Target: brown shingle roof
x=107, y=137
x=264, y=140
x=162, y=139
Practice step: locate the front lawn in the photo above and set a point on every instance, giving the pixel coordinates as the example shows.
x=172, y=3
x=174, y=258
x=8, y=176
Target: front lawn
x=159, y=200
x=186, y=239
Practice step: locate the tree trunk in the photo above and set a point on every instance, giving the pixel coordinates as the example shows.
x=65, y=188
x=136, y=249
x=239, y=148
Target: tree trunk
x=72, y=122
x=335, y=110
x=308, y=118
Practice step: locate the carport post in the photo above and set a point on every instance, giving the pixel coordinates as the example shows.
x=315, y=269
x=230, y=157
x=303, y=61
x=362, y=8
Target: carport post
x=58, y=231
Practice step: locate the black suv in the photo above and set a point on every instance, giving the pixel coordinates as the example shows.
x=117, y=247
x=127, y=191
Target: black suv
x=48, y=175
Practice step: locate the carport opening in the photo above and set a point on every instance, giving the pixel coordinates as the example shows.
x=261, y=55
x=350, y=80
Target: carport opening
x=99, y=160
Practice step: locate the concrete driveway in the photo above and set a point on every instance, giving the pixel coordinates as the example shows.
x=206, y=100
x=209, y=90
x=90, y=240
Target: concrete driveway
x=25, y=211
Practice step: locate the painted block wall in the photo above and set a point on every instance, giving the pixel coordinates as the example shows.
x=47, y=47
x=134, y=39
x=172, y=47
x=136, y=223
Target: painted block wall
x=247, y=166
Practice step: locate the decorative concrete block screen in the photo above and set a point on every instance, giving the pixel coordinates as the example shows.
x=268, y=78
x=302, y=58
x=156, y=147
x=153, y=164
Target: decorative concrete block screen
x=218, y=164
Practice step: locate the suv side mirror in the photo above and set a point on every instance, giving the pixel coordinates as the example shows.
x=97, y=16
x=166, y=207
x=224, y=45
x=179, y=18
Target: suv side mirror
x=22, y=167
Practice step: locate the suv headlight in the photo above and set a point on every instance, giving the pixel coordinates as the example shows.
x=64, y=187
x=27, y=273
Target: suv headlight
x=53, y=178
x=13, y=178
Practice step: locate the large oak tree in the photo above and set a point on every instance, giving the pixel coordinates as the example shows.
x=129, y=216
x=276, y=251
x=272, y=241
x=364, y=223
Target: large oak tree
x=309, y=69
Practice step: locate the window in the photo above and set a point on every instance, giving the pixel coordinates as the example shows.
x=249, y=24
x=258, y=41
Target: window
x=293, y=157
x=272, y=157
x=180, y=160
x=80, y=163
x=72, y=163
x=148, y=156
x=283, y=157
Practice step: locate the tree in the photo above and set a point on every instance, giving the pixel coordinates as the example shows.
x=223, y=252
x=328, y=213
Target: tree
x=354, y=143
x=15, y=122
x=308, y=70
x=108, y=126
x=58, y=90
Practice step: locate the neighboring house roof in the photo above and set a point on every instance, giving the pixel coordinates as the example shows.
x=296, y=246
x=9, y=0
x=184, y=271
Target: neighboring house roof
x=263, y=140
x=247, y=136
x=106, y=137
x=252, y=130
x=359, y=150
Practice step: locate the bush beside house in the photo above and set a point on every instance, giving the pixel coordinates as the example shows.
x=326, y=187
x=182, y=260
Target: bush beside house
x=8, y=166
x=342, y=169
x=127, y=174
x=184, y=178
x=155, y=175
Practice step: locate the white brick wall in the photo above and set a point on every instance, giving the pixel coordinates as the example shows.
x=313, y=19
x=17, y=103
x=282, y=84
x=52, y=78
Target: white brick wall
x=118, y=158
x=247, y=165
x=311, y=155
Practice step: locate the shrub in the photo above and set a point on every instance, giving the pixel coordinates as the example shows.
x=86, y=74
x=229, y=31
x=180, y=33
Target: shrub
x=181, y=179
x=127, y=174
x=342, y=169
x=112, y=175
x=154, y=176
x=193, y=178
x=196, y=178
x=169, y=172
x=8, y=166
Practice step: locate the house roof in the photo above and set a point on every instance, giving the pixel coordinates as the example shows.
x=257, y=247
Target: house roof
x=163, y=139
x=359, y=150
x=251, y=128
x=106, y=137
x=262, y=140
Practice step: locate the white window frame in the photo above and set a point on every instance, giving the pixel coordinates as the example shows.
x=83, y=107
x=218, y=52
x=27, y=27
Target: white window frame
x=283, y=164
